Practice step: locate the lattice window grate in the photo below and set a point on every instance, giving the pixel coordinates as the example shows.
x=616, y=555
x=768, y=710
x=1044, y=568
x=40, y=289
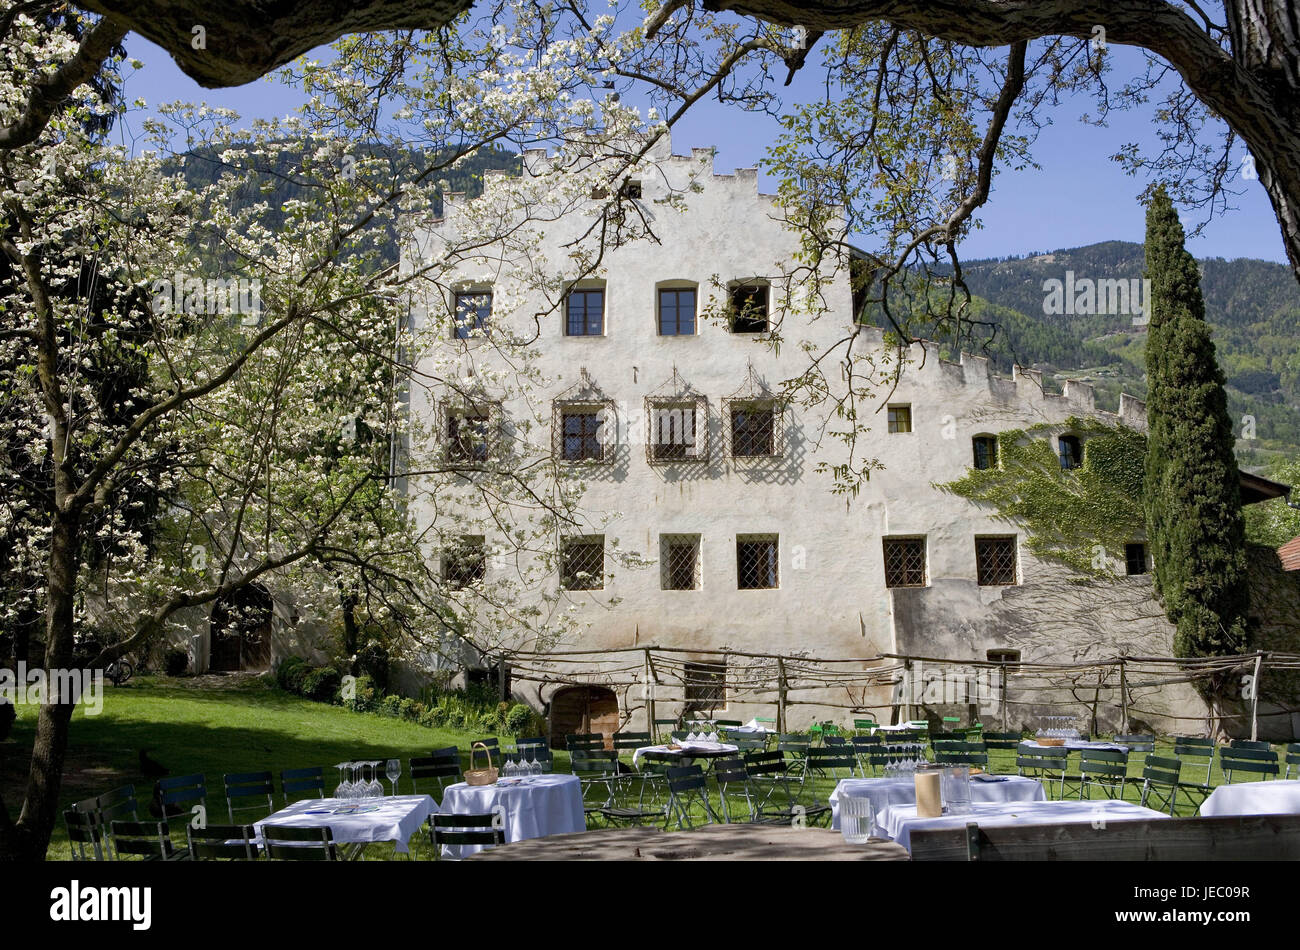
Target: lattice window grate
x=469, y=434
x=705, y=687
x=583, y=563
x=995, y=561
x=753, y=428
x=465, y=563
x=757, y=565
x=678, y=431
x=679, y=561
x=904, y=562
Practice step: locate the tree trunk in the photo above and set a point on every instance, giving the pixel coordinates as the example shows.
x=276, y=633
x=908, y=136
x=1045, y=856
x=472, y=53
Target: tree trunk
x=29, y=837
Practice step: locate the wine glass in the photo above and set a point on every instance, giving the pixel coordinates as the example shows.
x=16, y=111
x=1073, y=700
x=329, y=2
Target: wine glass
x=394, y=771
x=376, y=788
x=534, y=763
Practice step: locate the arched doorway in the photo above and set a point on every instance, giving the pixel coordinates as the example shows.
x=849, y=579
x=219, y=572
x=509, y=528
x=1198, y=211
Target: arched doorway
x=240, y=631
x=578, y=709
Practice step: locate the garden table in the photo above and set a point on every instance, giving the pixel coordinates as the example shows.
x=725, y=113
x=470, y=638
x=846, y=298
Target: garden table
x=357, y=822
x=897, y=790
x=1253, y=798
x=530, y=808
x=689, y=751
x=1074, y=745
x=898, y=822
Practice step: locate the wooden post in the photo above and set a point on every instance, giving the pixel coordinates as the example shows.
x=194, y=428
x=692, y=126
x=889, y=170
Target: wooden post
x=1096, y=698
x=1005, y=728
x=780, y=694
x=1123, y=697
x=650, y=698
x=501, y=679
x=1254, y=698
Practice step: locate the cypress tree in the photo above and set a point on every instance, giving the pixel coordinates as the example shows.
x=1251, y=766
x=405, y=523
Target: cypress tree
x=1191, y=492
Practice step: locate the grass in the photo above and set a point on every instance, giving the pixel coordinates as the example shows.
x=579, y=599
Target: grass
x=253, y=727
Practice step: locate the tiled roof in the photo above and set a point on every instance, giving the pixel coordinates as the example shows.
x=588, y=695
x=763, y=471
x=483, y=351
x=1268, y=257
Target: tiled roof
x=1290, y=555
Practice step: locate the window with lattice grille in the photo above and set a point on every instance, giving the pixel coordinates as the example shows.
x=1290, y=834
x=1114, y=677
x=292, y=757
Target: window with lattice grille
x=986, y=451
x=465, y=563
x=1135, y=558
x=904, y=562
x=995, y=561
x=582, y=564
x=467, y=435
x=756, y=562
x=753, y=430
x=705, y=687
x=582, y=439
x=673, y=431
x=900, y=418
x=471, y=313
x=679, y=561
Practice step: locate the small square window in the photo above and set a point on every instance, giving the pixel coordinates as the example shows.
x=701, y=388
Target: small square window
x=900, y=418
x=467, y=435
x=471, y=313
x=679, y=561
x=584, y=313
x=1071, y=451
x=705, y=687
x=673, y=432
x=582, y=563
x=677, y=311
x=465, y=563
x=753, y=430
x=1135, y=558
x=986, y=452
x=904, y=562
x=583, y=436
x=995, y=561
x=748, y=305
x=1011, y=659
x=756, y=562
x=631, y=189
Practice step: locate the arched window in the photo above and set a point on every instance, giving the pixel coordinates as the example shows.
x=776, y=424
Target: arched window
x=1070, y=451
x=986, y=451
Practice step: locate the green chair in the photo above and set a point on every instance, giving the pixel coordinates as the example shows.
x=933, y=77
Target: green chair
x=1105, y=768
x=1257, y=745
x=479, y=830
x=584, y=742
x=862, y=748
x=438, y=772
x=284, y=843
x=150, y=840
x=243, y=786
x=1292, y=759
x=599, y=775
x=222, y=842
x=795, y=745
x=687, y=786
x=1137, y=743
x=733, y=783
x=84, y=831
x=1194, y=748
x=865, y=725
x=961, y=753
x=1250, y=761
x=1044, y=764
x=302, y=783
x=1160, y=779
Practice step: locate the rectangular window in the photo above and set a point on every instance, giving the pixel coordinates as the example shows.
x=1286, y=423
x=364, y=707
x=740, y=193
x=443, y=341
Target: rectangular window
x=467, y=435
x=679, y=561
x=1135, y=558
x=904, y=562
x=995, y=561
x=900, y=418
x=582, y=563
x=672, y=430
x=677, y=311
x=753, y=431
x=1010, y=657
x=748, y=304
x=756, y=562
x=986, y=452
x=585, y=313
x=465, y=563
x=705, y=687
x=582, y=436
x=1071, y=452
x=472, y=311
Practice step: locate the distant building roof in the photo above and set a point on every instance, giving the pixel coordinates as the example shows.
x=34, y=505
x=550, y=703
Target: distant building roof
x=1257, y=488
x=1290, y=555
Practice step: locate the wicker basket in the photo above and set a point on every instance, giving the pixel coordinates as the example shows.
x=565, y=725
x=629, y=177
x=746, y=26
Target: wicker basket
x=1051, y=742
x=485, y=776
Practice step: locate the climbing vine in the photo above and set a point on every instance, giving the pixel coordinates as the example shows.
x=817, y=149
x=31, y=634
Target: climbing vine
x=1083, y=516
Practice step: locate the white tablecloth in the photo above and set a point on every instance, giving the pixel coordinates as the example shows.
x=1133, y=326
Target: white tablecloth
x=379, y=819
x=1254, y=798
x=884, y=792
x=545, y=805
x=899, y=821
x=1074, y=745
x=688, y=750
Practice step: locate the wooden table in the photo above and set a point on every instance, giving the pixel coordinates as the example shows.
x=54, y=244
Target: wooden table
x=733, y=842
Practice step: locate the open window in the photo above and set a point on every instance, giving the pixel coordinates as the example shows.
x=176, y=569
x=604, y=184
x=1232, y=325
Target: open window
x=748, y=307
x=985, y=449
x=1070, y=450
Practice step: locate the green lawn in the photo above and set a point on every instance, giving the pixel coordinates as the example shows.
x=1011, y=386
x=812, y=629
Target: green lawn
x=254, y=727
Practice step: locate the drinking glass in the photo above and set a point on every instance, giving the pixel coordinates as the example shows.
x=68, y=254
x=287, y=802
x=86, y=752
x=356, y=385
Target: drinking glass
x=376, y=787
x=344, y=787
x=856, y=816
x=394, y=771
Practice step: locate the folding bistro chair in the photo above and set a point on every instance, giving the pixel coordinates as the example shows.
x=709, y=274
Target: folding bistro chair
x=1257, y=745
x=961, y=753
x=437, y=772
x=1250, y=761
x=996, y=743
x=862, y=747
x=768, y=772
x=178, y=796
x=1292, y=759
x=1137, y=743
x=1044, y=764
x=598, y=774
x=732, y=778
x=1160, y=780
x=223, y=842
x=302, y=783
x=150, y=840
x=585, y=742
x=1105, y=768
x=480, y=830
x=795, y=745
x=687, y=786
x=84, y=830
x=283, y=843
x=1189, y=748
x=243, y=786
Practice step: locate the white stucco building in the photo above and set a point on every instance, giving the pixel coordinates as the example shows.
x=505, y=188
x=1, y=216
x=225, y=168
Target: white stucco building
x=673, y=421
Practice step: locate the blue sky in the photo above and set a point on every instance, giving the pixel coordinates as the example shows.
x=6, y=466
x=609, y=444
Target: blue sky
x=1077, y=197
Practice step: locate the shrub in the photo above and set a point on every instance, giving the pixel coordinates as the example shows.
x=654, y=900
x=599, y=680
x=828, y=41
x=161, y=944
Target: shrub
x=176, y=661
x=322, y=685
x=391, y=706
x=364, y=697
x=296, y=679
x=430, y=718
x=518, y=719
x=410, y=709
x=372, y=661
x=285, y=667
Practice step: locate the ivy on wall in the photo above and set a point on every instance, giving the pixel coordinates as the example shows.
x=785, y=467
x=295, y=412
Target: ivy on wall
x=1082, y=517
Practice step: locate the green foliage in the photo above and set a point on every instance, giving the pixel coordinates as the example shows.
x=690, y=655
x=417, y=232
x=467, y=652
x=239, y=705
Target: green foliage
x=1273, y=523
x=391, y=706
x=285, y=669
x=365, y=697
x=322, y=685
x=1192, y=498
x=176, y=662
x=373, y=662
x=518, y=719
x=1070, y=516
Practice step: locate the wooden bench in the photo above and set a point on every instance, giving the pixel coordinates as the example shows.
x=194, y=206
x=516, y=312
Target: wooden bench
x=1230, y=838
